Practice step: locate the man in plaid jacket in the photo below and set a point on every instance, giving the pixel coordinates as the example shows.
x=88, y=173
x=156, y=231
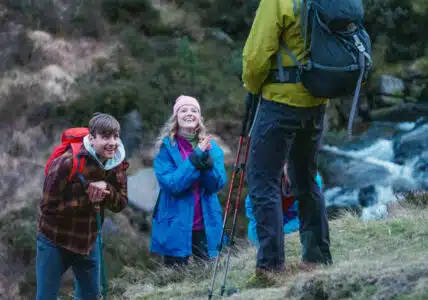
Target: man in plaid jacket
x=67, y=230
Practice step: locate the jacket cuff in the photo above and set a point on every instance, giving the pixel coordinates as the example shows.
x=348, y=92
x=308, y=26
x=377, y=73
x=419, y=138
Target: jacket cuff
x=251, y=88
x=208, y=162
x=196, y=158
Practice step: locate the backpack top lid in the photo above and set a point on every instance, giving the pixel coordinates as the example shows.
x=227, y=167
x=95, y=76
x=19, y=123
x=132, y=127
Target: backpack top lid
x=349, y=10
x=74, y=135
x=71, y=137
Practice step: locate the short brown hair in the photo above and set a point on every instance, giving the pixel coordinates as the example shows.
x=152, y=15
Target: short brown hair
x=103, y=124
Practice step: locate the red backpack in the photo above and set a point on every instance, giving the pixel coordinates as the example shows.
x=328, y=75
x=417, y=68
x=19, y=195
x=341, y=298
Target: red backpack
x=72, y=137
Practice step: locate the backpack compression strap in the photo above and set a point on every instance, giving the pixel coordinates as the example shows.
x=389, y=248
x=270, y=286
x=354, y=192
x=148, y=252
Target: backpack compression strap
x=361, y=60
x=365, y=63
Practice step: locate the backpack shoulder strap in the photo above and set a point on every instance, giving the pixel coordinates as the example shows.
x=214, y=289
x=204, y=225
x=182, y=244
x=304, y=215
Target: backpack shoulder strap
x=294, y=7
x=78, y=162
x=302, y=16
x=283, y=44
x=289, y=53
x=305, y=8
x=280, y=66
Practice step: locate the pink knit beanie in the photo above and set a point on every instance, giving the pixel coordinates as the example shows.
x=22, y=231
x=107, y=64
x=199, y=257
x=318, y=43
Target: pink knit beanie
x=185, y=100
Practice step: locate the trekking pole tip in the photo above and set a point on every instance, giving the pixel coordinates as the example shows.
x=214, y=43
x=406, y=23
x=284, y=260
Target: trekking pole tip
x=222, y=289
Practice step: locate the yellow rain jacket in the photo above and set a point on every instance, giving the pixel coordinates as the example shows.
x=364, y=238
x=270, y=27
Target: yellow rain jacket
x=275, y=19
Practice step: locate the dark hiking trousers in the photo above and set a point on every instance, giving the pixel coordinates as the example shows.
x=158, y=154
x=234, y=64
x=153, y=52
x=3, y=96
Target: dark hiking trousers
x=199, y=251
x=284, y=133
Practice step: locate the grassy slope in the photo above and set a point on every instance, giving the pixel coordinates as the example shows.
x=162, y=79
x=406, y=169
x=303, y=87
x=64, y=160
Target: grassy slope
x=375, y=260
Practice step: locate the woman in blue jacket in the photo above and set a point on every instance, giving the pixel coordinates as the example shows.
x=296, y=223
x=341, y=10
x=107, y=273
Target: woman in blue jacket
x=189, y=166
x=291, y=213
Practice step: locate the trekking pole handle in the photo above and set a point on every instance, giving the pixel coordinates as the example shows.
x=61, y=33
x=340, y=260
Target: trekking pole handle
x=97, y=206
x=248, y=104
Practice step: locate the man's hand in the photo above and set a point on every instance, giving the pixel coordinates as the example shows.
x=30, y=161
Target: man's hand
x=97, y=191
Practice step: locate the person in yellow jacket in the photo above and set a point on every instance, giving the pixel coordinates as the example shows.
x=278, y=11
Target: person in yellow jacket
x=287, y=127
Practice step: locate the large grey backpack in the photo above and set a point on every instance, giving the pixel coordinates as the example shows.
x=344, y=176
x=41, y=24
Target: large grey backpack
x=339, y=49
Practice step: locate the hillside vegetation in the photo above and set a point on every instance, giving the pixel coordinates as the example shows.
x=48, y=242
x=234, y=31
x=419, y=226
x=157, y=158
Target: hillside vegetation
x=62, y=60
x=372, y=260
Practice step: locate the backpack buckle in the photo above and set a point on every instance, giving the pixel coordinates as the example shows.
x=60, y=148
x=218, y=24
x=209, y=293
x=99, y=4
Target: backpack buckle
x=358, y=43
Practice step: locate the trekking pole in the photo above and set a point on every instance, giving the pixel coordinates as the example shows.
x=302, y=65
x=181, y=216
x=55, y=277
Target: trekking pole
x=101, y=248
x=235, y=214
x=236, y=170
x=238, y=198
x=100, y=242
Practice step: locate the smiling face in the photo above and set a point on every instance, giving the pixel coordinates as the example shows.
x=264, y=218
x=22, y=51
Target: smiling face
x=105, y=145
x=188, y=117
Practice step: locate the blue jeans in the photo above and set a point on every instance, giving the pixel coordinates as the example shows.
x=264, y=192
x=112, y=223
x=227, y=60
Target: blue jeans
x=52, y=262
x=284, y=133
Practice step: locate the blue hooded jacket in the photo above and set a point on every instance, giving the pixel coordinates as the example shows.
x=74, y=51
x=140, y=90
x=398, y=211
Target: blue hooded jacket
x=291, y=220
x=173, y=214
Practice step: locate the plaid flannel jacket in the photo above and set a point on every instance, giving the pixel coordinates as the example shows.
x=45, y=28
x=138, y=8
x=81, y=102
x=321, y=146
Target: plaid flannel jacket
x=67, y=217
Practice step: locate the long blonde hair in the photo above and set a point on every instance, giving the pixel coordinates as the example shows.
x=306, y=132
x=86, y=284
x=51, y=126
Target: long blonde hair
x=170, y=129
